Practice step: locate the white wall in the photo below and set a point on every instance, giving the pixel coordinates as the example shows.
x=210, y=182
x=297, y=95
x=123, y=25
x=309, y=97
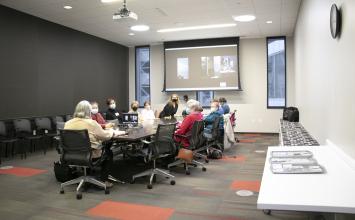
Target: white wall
x=325, y=73
x=253, y=116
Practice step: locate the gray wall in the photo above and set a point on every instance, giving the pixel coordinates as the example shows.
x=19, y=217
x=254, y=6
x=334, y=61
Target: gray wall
x=46, y=68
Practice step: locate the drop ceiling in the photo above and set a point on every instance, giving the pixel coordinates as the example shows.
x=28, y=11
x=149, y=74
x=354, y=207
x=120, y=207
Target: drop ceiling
x=95, y=18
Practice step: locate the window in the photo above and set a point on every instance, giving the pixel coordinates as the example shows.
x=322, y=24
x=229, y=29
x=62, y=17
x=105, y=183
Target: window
x=142, y=74
x=205, y=97
x=276, y=72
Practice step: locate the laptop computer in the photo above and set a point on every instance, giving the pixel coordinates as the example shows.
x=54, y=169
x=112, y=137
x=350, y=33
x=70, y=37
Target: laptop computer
x=130, y=118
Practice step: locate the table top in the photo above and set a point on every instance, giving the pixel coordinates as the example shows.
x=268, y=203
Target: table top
x=333, y=191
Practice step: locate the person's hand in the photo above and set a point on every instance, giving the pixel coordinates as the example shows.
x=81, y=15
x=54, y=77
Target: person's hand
x=118, y=133
x=109, y=125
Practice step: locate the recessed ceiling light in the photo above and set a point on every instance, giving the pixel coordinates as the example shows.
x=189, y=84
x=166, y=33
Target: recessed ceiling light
x=140, y=28
x=108, y=1
x=131, y=34
x=244, y=18
x=197, y=27
x=268, y=22
x=68, y=7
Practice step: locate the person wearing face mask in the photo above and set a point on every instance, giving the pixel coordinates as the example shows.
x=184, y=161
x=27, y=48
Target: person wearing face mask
x=195, y=114
x=211, y=117
x=171, y=107
x=147, y=113
x=112, y=113
x=224, y=105
x=96, y=116
x=134, y=109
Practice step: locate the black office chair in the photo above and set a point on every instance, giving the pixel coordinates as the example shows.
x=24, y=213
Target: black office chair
x=6, y=141
x=77, y=152
x=44, y=127
x=213, y=138
x=161, y=146
x=25, y=133
x=68, y=117
x=195, y=143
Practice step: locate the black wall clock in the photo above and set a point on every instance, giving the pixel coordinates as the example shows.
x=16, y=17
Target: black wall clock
x=335, y=21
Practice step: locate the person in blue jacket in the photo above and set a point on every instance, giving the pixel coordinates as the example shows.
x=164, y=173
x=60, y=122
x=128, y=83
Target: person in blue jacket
x=209, y=119
x=224, y=105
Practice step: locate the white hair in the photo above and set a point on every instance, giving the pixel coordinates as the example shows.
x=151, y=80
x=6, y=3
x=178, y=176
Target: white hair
x=83, y=110
x=193, y=104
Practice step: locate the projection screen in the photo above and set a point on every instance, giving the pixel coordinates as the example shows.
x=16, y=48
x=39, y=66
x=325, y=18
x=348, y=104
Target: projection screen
x=196, y=67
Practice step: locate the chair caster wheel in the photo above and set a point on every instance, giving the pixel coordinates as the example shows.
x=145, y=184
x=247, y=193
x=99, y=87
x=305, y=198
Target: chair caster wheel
x=187, y=172
x=150, y=186
x=172, y=182
x=79, y=196
x=267, y=211
x=61, y=191
x=204, y=169
x=207, y=161
x=107, y=191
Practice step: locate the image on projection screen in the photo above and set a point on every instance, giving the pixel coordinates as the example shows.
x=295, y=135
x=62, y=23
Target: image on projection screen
x=183, y=68
x=202, y=68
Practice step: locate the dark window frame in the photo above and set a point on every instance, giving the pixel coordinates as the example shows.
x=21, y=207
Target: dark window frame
x=197, y=97
x=267, y=71
x=141, y=105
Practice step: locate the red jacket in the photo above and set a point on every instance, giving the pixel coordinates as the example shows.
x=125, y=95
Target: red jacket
x=186, y=127
x=100, y=120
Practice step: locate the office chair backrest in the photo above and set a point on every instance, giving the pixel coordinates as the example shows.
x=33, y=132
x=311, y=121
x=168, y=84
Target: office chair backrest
x=164, y=139
x=58, y=119
x=3, y=131
x=196, y=133
x=215, y=127
x=43, y=124
x=68, y=117
x=76, y=147
x=22, y=125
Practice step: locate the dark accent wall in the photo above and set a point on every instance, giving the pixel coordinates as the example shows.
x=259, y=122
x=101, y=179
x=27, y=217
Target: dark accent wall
x=46, y=68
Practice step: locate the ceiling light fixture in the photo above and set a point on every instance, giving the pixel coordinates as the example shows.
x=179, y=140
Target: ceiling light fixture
x=244, y=18
x=140, y=28
x=268, y=22
x=68, y=7
x=108, y=1
x=131, y=34
x=124, y=12
x=197, y=27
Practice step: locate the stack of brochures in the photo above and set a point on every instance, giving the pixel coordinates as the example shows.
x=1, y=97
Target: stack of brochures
x=294, y=162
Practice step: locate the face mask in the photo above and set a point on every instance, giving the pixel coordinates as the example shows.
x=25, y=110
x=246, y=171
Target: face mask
x=94, y=111
x=134, y=108
x=147, y=107
x=213, y=109
x=112, y=106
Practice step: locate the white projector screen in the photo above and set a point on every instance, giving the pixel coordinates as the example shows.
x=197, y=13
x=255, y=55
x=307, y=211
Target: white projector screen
x=199, y=68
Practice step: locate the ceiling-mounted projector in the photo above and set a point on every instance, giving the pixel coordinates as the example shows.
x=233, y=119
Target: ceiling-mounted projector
x=124, y=13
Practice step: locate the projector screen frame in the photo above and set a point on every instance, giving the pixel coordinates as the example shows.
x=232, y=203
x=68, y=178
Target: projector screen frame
x=202, y=43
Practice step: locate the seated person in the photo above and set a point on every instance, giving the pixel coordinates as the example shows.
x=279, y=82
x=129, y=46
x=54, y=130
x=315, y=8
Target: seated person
x=219, y=108
x=96, y=116
x=111, y=113
x=134, y=110
x=82, y=120
x=211, y=117
x=186, y=125
x=224, y=105
x=147, y=113
x=171, y=107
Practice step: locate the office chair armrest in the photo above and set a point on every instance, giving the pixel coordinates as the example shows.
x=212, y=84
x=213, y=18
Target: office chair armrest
x=147, y=142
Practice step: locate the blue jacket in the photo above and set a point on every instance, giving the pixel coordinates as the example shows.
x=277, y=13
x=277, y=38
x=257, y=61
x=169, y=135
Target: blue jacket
x=226, y=108
x=210, y=119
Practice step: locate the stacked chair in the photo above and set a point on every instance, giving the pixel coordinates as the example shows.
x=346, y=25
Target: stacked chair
x=6, y=140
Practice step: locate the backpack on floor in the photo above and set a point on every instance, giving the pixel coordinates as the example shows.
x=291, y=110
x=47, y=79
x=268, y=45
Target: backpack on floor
x=62, y=172
x=291, y=114
x=215, y=154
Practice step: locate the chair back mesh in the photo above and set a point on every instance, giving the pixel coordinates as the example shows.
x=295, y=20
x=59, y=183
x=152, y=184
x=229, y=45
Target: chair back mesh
x=164, y=139
x=2, y=129
x=76, y=147
x=215, y=127
x=196, y=134
x=43, y=124
x=68, y=117
x=22, y=125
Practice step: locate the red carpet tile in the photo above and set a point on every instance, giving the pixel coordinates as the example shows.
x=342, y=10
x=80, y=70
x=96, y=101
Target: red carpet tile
x=247, y=141
x=246, y=185
x=250, y=135
x=239, y=158
x=22, y=171
x=130, y=211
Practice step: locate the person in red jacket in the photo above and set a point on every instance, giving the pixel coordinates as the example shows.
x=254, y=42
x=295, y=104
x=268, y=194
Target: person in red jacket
x=96, y=116
x=194, y=114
